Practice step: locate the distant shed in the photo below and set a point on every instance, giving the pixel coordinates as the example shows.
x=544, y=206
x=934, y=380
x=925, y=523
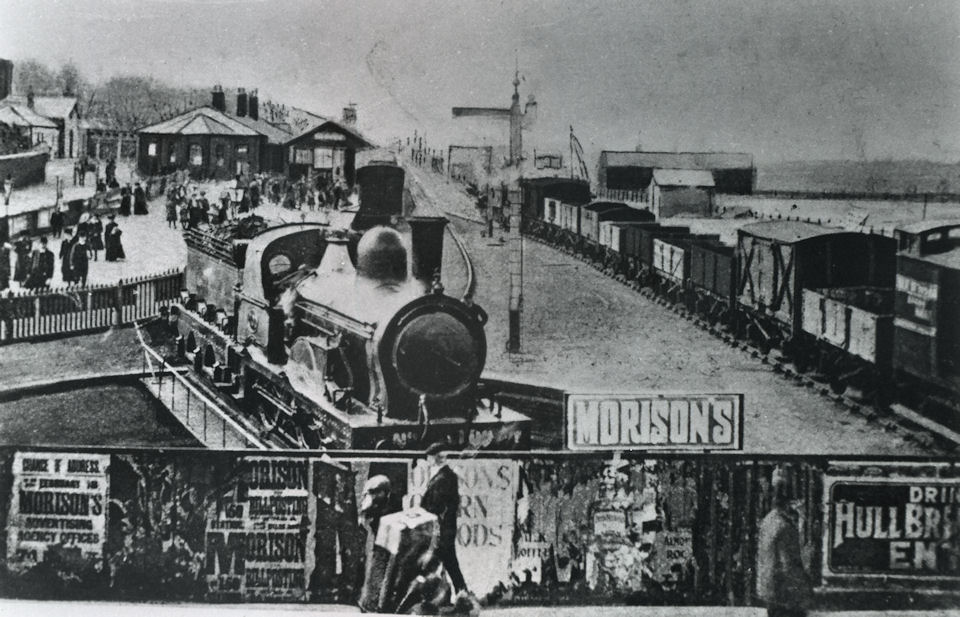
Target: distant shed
x=681, y=191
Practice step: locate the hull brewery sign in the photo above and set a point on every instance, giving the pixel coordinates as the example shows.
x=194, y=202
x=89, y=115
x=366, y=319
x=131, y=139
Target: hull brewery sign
x=654, y=421
x=896, y=522
x=58, y=500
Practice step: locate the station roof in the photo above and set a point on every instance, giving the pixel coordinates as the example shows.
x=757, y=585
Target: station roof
x=201, y=121
x=274, y=134
x=327, y=125
x=21, y=115
x=683, y=177
x=677, y=160
x=789, y=232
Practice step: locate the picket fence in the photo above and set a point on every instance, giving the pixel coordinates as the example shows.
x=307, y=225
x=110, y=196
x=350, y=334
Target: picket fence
x=71, y=310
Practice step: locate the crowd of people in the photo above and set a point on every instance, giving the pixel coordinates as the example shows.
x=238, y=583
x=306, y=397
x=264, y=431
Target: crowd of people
x=34, y=262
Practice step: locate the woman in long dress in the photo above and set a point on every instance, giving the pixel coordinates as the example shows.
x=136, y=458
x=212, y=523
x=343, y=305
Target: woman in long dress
x=111, y=238
x=139, y=200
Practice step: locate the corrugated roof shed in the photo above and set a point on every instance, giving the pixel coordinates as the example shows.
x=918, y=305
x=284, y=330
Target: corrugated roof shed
x=677, y=160
x=683, y=177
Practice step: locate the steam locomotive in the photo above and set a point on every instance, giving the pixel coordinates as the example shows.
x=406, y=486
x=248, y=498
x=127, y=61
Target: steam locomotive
x=338, y=335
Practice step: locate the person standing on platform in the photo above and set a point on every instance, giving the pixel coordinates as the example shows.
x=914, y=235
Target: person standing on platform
x=782, y=582
x=172, y=208
x=7, y=189
x=126, y=197
x=5, y=251
x=203, y=208
x=22, y=248
x=65, y=246
x=139, y=200
x=56, y=222
x=41, y=266
x=79, y=261
x=95, y=236
x=442, y=498
x=111, y=240
x=254, y=189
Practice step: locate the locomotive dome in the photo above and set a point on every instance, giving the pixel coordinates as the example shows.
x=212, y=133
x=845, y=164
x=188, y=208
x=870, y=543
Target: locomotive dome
x=382, y=256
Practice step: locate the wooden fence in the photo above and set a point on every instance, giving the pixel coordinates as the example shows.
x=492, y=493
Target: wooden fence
x=72, y=310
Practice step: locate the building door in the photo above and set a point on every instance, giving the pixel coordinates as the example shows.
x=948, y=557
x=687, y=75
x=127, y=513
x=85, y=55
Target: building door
x=71, y=144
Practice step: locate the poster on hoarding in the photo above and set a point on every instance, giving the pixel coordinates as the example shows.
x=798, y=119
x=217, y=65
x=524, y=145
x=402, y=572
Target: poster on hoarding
x=57, y=500
x=260, y=543
x=892, y=528
x=485, y=520
x=654, y=421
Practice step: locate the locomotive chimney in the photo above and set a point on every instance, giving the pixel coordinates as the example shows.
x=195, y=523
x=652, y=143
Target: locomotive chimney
x=241, y=102
x=218, y=99
x=426, y=239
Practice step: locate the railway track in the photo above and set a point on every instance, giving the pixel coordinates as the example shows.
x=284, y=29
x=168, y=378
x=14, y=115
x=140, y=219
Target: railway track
x=934, y=441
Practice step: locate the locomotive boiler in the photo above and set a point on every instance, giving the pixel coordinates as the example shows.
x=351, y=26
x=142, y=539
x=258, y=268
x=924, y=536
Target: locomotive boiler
x=342, y=335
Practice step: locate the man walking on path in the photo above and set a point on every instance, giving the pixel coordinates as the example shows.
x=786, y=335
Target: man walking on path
x=442, y=498
x=782, y=582
x=65, y=248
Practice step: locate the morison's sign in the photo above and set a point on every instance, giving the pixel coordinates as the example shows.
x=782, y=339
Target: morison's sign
x=654, y=421
x=58, y=500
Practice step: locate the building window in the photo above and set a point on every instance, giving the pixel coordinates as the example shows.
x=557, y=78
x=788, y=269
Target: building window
x=242, y=150
x=152, y=148
x=303, y=156
x=173, y=155
x=218, y=153
x=323, y=158
x=196, y=154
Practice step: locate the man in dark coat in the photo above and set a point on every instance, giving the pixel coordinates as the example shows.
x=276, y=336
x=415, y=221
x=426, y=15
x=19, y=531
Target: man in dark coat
x=782, y=582
x=65, y=247
x=111, y=240
x=56, y=222
x=139, y=200
x=41, y=266
x=442, y=498
x=79, y=261
x=22, y=248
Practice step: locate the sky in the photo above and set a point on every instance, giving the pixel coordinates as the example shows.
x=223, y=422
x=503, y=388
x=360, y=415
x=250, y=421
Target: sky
x=783, y=80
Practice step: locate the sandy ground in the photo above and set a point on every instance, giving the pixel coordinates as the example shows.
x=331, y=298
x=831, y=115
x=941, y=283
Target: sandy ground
x=583, y=331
